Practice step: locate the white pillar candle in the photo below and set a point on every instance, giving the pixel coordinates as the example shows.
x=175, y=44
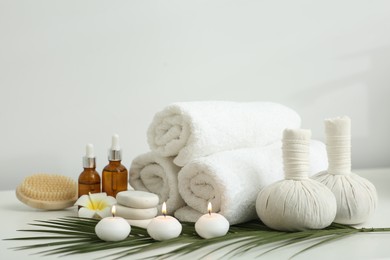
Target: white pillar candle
x=211, y=224
x=164, y=227
x=112, y=228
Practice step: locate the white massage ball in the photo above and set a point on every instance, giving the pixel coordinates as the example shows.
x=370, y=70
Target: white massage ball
x=356, y=197
x=297, y=202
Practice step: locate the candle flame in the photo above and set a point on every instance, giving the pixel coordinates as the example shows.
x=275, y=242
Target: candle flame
x=164, y=209
x=113, y=210
x=209, y=208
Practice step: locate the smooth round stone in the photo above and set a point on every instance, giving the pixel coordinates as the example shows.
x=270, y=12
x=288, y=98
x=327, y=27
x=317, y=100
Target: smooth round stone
x=137, y=199
x=142, y=223
x=138, y=214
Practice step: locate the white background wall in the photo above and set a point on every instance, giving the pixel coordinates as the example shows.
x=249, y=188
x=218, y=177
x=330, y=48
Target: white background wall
x=74, y=72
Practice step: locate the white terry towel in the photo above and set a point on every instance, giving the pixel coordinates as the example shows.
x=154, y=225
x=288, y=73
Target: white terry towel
x=153, y=173
x=231, y=180
x=190, y=130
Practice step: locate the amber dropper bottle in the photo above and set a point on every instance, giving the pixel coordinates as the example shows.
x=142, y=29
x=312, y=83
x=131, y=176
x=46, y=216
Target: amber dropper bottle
x=89, y=179
x=115, y=175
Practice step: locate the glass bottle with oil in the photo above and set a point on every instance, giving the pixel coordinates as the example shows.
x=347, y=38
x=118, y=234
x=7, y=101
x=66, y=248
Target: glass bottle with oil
x=114, y=175
x=89, y=179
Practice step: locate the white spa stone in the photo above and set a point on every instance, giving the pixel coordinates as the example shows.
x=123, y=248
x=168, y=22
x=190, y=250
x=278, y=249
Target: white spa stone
x=142, y=223
x=356, y=197
x=137, y=199
x=136, y=214
x=297, y=202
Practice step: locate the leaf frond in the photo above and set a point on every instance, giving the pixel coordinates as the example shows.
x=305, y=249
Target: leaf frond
x=74, y=235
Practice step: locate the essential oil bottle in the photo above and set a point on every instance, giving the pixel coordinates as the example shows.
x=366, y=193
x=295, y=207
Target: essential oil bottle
x=89, y=179
x=115, y=175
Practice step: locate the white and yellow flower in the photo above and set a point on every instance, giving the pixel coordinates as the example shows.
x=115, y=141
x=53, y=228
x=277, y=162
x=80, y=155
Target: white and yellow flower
x=95, y=205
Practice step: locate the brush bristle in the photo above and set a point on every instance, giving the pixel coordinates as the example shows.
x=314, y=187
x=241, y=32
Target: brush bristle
x=49, y=187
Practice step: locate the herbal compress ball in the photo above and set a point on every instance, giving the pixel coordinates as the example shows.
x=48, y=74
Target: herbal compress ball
x=356, y=197
x=297, y=202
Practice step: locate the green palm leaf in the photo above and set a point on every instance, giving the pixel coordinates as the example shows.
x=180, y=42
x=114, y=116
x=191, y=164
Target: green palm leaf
x=72, y=235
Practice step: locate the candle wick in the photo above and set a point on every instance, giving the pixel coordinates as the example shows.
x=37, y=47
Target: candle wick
x=164, y=214
x=209, y=212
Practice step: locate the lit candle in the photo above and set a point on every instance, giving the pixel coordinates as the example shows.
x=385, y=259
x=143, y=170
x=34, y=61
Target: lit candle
x=164, y=227
x=211, y=224
x=112, y=228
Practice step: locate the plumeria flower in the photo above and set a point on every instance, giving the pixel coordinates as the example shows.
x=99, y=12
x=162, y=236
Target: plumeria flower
x=95, y=205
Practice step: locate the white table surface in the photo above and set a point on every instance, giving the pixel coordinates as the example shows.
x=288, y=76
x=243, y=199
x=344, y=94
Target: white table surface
x=15, y=215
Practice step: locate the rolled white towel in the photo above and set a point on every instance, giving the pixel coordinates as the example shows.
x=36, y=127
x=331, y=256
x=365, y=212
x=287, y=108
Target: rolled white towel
x=153, y=173
x=231, y=180
x=190, y=130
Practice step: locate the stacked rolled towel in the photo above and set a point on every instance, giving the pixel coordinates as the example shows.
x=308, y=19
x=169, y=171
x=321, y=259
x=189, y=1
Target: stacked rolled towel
x=137, y=207
x=153, y=173
x=190, y=130
x=231, y=180
x=228, y=151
